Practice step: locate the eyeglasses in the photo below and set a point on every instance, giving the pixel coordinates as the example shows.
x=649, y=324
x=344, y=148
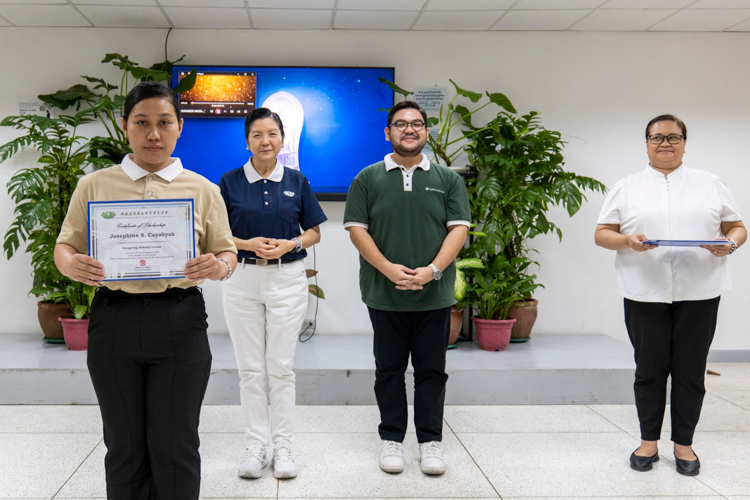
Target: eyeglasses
x=658, y=138
x=402, y=125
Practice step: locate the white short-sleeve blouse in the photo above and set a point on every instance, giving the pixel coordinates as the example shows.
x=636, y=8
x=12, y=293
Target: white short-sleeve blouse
x=688, y=204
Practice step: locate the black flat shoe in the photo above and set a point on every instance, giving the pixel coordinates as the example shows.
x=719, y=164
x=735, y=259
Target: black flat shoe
x=643, y=464
x=688, y=467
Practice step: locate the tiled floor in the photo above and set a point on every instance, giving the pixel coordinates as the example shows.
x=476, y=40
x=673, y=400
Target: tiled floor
x=509, y=452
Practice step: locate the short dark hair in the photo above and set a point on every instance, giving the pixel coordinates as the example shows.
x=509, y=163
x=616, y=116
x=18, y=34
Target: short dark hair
x=147, y=90
x=405, y=105
x=260, y=114
x=667, y=118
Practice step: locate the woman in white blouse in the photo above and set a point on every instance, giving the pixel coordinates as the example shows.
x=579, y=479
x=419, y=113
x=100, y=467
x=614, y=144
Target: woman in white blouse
x=671, y=293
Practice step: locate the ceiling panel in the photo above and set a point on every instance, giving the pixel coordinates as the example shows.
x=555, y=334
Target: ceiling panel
x=3, y=22
x=193, y=17
x=470, y=4
x=291, y=4
x=702, y=20
x=461, y=21
x=539, y=20
x=149, y=3
x=381, y=4
x=374, y=20
x=124, y=17
x=743, y=26
x=42, y=15
x=721, y=4
x=558, y=4
x=622, y=20
x=33, y=2
x=200, y=3
x=646, y=4
x=291, y=19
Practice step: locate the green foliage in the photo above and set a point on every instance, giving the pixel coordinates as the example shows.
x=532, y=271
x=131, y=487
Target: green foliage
x=445, y=149
x=314, y=290
x=79, y=297
x=519, y=177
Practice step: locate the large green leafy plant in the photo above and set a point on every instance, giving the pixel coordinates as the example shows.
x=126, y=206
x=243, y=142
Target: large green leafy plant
x=42, y=193
x=519, y=177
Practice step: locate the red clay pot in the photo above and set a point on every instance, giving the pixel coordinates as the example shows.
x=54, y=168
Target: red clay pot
x=76, y=333
x=525, y=314
x=493, y=334
x=457, y=321
x=48, y=314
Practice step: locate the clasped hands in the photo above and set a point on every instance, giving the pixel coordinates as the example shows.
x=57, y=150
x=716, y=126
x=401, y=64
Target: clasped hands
x=636, y=242
x=270, y=248
x=408, y=279
x=90, y=271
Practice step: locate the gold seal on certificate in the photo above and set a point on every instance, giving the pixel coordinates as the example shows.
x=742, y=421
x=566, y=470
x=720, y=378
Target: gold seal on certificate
x=142, y=239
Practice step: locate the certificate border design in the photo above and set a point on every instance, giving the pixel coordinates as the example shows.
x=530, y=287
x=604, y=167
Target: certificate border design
x=189, y=205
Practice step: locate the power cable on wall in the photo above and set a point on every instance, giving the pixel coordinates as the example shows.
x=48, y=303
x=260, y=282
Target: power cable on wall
x=166, y=41
x=314, y=324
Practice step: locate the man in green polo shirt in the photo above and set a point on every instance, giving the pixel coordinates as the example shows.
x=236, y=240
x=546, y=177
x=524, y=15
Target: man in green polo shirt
x=408, y=218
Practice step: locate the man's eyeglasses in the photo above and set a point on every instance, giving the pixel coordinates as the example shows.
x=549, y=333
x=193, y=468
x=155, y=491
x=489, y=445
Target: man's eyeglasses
x=658, y=139
x=402, y=125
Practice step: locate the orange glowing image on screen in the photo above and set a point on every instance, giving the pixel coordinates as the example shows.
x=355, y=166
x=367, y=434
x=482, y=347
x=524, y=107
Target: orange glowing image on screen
x=221, y=88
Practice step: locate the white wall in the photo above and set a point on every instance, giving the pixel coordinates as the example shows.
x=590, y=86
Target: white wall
x=599, y=89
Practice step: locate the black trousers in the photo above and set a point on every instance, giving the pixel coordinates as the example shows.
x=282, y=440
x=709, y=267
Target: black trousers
x=670, y=339
x=149, y=360
x=424, y=335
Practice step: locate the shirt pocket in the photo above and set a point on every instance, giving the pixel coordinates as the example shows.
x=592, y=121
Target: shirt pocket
x=289, y=208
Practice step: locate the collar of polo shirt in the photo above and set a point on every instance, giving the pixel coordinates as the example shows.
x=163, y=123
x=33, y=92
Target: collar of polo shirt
x=253, y=175
x=168, y=173
x=390, y=164
x=670, y=176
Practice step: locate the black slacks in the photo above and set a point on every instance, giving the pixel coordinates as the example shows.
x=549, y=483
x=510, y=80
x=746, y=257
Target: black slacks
x=670, y=339
x=149, y=361
x=424, y=335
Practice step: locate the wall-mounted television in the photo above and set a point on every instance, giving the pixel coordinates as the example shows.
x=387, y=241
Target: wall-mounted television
x=331, y=117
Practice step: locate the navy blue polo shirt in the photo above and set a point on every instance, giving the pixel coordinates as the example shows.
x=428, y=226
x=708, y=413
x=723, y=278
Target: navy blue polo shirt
x=275, y=207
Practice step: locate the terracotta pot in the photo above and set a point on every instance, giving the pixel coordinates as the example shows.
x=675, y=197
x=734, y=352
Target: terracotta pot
x=457, y=322
x=48, y=314
x=493, y=334
x=76, y=333
x=525, y=314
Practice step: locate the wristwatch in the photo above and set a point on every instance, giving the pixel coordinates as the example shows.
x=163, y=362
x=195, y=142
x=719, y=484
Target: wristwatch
x=436, y=273
x=298, y=243
x=229, y=269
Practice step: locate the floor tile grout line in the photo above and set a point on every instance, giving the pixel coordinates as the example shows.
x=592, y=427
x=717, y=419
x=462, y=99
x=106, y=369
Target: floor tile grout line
x=728, y=401
x=79, y=466
x=473, y=459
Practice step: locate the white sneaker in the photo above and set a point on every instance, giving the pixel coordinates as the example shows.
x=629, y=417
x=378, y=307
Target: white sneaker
x=255, y=459
x=432, y=458
x=392, y=456
x=283, y=463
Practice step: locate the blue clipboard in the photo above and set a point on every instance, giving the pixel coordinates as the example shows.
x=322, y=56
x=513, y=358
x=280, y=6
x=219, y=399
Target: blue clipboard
x=688, y=243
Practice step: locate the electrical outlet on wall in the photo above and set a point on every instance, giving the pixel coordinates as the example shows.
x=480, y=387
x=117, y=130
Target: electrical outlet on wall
x=307, y=325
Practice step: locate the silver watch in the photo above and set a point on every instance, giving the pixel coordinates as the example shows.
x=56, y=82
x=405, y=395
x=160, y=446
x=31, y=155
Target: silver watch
x=229, y=268
x=436, y=273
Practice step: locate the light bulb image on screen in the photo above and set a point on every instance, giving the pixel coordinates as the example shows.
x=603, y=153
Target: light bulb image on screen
x=292, y=116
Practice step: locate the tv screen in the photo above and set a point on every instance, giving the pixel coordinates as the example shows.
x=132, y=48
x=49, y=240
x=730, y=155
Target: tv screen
x=332, y=124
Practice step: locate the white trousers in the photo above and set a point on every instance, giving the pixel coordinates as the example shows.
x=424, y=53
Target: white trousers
x=264, y=308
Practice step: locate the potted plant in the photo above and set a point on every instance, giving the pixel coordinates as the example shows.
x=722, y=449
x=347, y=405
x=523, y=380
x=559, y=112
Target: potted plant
x=76, y=329
x=519, y=177
x=42, y=193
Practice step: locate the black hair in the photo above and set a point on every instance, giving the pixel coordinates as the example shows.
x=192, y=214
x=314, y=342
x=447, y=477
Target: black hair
x=668, y=118
x=406, y=105
x=260, y=114
x=147, y=90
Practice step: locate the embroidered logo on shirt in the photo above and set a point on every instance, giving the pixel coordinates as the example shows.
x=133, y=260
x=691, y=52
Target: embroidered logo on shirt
x=289, y=193
x=436, y=190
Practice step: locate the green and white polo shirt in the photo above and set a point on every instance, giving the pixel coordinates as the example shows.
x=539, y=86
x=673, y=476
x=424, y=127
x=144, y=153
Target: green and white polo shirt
x=407, y=213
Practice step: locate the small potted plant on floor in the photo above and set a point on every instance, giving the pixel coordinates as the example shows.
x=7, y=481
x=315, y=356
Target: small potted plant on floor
x=76, y=329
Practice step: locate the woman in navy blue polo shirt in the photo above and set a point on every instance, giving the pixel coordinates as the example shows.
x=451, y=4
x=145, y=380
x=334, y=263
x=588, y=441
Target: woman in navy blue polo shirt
x=266, y=300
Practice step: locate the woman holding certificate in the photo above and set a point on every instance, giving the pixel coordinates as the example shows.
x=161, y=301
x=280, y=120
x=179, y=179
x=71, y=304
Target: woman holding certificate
x=148, y=354
x=265, y=303
x=671, y=292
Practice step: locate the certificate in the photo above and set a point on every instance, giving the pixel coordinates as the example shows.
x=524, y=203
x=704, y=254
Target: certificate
x=688, y=243
x=142, y=239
